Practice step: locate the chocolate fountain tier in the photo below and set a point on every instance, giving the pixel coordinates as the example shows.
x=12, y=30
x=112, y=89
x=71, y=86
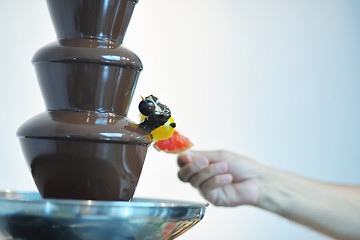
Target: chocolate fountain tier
x=24, y=215
x=105, y=20
x=84, y=155
x=89, y=170
x=87, y=50
x=84, y=125
x=81, y=75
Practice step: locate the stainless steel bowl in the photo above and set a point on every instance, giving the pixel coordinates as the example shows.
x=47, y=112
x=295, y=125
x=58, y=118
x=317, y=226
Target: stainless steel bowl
x=26, y=216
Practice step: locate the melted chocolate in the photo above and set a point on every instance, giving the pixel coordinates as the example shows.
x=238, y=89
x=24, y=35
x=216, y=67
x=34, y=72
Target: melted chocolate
x=76, y=169
x=156, y=118
x=104, y=20
x=83, y=146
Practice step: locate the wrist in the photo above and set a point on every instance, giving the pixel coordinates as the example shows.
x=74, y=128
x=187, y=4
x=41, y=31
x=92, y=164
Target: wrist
x=277, y=192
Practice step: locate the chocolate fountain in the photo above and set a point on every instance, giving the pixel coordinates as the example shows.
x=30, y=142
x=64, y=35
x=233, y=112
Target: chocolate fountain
x=83, y=146
x=84, y=154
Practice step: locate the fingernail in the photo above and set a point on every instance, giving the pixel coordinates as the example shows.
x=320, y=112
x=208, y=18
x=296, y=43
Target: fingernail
x=221, y=167
x=227, y=178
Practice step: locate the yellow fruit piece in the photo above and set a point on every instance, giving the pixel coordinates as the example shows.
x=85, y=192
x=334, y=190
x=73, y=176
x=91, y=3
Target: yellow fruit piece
x=142, y=117
x=163, y=132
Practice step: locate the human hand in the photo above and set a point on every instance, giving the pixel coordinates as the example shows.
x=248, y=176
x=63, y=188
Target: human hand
x=222, y=177
x=228, y=179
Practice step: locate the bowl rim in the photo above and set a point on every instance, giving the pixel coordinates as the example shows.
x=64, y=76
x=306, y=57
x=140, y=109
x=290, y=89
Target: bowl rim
x=33, y=197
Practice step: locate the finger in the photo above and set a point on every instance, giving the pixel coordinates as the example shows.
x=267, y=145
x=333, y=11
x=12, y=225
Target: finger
x=183, y=159
x=190, y=155
x=207, y=173
x=213, y=156
x=216, y=182
x=192, y=168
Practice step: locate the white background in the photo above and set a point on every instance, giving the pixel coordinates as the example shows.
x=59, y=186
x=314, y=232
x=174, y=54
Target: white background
x=274, y=80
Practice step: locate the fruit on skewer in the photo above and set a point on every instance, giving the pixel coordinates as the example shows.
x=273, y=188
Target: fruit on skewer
x=156, y=119
x=177, y=143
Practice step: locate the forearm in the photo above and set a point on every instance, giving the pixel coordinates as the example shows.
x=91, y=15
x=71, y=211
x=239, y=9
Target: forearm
x=331, y=209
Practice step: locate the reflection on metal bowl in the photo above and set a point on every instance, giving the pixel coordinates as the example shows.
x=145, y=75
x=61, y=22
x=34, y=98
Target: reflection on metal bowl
x=26, y=216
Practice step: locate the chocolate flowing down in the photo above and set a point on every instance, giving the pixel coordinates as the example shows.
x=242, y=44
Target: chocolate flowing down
x=83, y=146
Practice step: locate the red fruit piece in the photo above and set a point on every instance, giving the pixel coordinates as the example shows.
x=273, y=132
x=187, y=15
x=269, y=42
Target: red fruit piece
x=175, y=144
